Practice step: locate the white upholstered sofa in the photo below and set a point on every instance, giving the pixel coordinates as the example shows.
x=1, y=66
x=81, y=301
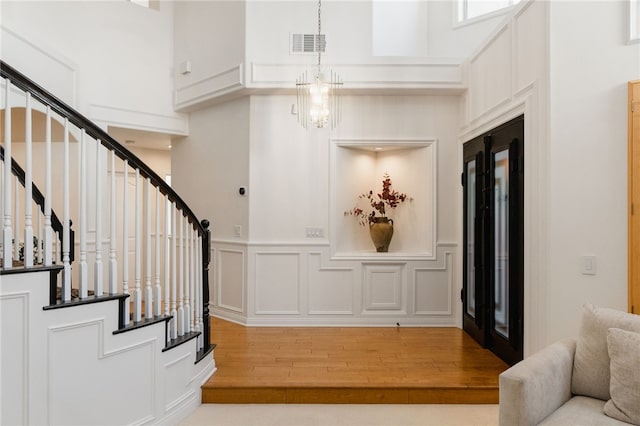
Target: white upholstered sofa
x=593, y=379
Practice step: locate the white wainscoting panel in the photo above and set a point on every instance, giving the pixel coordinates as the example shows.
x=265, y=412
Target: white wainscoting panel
x=529, y=41
x=489, y=69
x=175, y=372
x=14, y=368
x=330, y=288
x=71, y=403
x=230, y=282
x=42, y=63
x=383, y=287
x=434, y=288
x=277, y=283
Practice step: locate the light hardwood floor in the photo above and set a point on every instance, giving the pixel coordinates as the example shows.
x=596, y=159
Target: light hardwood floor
x=332, y=365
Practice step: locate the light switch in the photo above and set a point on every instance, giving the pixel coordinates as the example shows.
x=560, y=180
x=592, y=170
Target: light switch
x=588, y=265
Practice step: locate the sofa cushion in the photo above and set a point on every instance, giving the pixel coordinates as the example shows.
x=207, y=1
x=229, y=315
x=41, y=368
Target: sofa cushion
x=624, y=351
x=581, y=411
x=591, y=370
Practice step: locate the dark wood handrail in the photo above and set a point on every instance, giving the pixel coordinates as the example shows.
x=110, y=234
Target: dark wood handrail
x=22, y=82
x=46, y=98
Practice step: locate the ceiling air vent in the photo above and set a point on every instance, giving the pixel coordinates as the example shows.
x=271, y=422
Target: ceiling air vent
x=307, y=43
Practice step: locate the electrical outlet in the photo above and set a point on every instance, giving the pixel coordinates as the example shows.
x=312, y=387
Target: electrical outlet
x=315, y=233
x=237, y=230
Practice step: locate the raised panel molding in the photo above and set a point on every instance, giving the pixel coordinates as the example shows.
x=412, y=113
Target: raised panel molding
x=436, y=75
x=14, y=329
x=490, y=75
x=99, y=365
x=330, y=288
x=383, y=287
x=42, y=63
x=434, y=288
x=230, y=279
x=210, y=87
x=277, y=286
x=529, y=39
x=176, y=371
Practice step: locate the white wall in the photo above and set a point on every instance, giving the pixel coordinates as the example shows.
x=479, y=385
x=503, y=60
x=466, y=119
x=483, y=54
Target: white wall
x=273, y=273
x=211, y=36
x=105, y=58
x=590, y=67
x=566, y=67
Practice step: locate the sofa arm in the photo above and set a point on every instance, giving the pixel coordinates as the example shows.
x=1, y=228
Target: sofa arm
x=534, y=388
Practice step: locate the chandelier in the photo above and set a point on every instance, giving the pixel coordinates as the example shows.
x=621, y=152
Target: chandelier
x=319, y=98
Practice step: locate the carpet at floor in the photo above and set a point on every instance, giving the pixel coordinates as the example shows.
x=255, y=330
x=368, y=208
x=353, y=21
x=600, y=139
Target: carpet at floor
x=343, y=415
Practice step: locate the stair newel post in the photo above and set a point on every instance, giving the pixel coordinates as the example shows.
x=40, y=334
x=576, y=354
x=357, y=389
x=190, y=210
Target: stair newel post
x=197, y=305
x=28, y=187
x=181, y=279
x=157, y=296
x=83, y=272
x=48, y=231
x=125, y=241
x=7, y=231
x=206, y=259
x=66, y=221
x=137, y=292
x=98, y=267
x=148, y=295
x=113, y=262
x=174, y=272
x=197, y=261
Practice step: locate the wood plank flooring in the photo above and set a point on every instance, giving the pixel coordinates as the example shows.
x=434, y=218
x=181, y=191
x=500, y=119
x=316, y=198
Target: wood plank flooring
x=357, y=365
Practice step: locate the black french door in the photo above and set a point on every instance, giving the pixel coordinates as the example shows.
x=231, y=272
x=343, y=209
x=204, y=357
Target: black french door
x=493, y=265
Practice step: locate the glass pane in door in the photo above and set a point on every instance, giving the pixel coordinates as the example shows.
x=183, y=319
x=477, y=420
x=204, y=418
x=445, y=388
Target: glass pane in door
x=471, y=232
x=501, y=242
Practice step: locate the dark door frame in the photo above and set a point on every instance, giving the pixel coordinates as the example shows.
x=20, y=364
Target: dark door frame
x=479, y=278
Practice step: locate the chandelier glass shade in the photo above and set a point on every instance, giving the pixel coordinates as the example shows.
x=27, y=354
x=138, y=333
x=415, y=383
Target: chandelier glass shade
x=319, y=98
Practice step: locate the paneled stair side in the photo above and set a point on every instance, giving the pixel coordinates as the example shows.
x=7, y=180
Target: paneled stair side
x=66, y=366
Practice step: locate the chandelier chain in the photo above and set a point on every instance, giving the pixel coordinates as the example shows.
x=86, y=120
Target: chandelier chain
x=319, y=32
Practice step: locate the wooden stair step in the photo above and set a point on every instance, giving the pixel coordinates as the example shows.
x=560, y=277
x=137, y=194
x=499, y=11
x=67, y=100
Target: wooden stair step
x=358, y=365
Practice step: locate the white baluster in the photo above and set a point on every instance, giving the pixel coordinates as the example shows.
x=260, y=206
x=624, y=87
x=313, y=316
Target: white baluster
x=137, y=292
x=2, y=187
x=83, y=272
x=125, y=242
x=181, y=283
x=37, y=254
x=48, y=231
x=187, y=297
x=113, y=262
x=167, y=256
x=66, y=229
x=16, y=218
x=174, y=279
x=98, y=267
x=28, y=188
x=7, y=230
x=148, y=307
x=157, y=297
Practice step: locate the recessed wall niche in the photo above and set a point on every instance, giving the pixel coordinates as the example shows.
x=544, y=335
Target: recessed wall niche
x=358, y=166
